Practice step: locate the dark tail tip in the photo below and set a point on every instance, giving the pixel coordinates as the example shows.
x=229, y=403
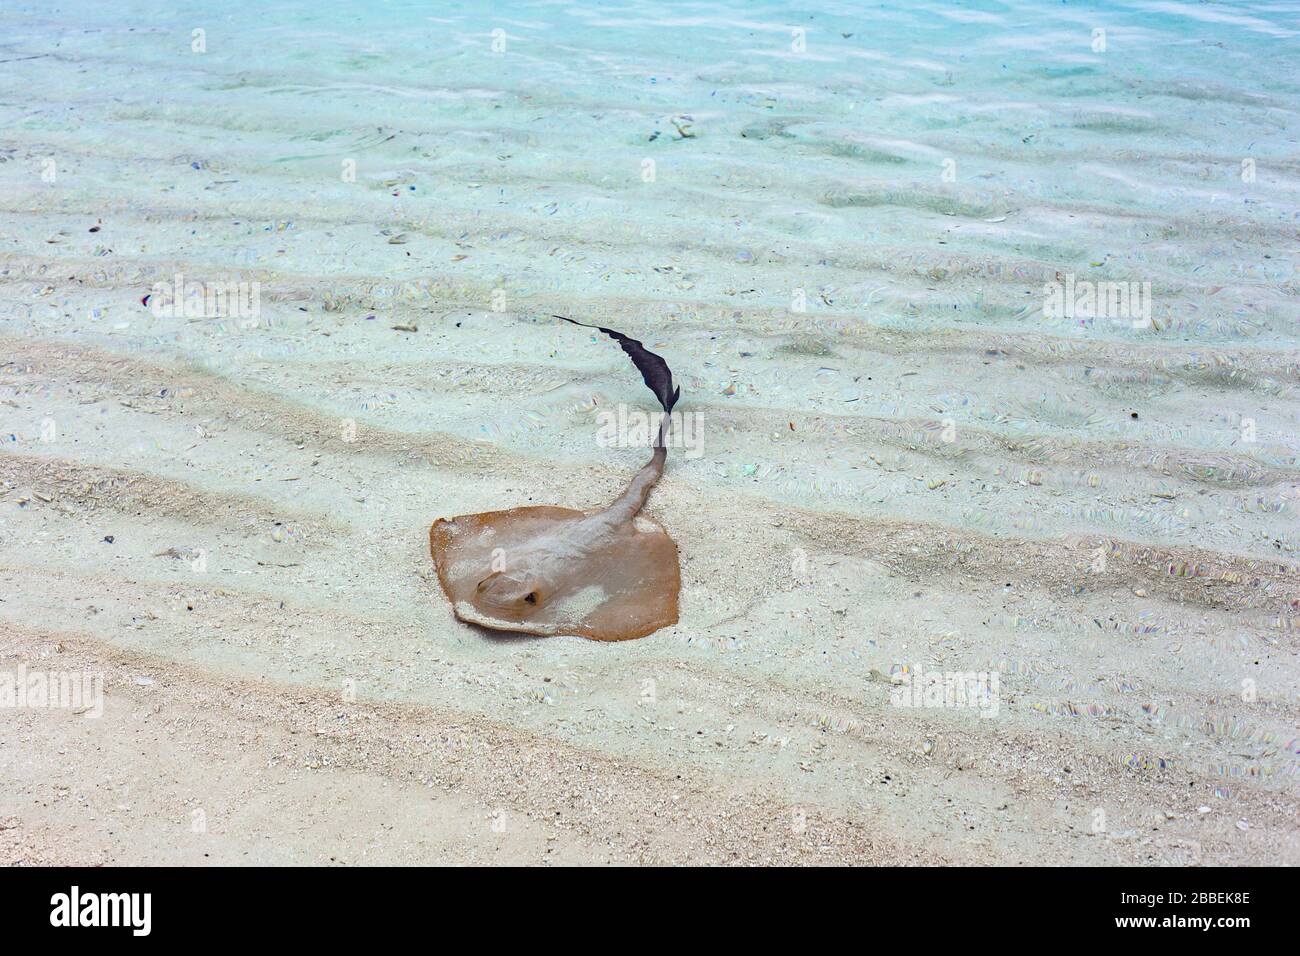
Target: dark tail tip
x=654, y=370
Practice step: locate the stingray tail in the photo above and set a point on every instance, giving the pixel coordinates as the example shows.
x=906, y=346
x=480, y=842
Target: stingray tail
x=654, y=371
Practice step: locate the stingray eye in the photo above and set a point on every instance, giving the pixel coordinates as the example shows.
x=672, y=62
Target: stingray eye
x=531, y=597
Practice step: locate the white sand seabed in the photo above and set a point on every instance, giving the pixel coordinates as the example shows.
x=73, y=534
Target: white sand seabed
x=227, y=516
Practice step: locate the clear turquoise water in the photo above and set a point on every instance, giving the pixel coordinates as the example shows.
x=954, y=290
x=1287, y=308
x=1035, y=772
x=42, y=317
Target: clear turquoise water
x=1107, y=515
x=1130, y=157
x=915, y=173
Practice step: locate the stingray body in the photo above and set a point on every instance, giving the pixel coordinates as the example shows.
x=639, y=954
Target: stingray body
x=609, y=574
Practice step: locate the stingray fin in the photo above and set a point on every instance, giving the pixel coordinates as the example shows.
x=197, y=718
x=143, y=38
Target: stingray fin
x=654, y=370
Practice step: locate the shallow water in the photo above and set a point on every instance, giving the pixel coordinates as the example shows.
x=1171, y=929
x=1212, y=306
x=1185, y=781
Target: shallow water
x=849, y=188
x=843, y=227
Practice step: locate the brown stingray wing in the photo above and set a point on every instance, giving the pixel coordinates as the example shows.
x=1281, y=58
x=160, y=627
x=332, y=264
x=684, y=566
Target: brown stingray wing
x=628, y=589
x=463, y=547
x=640, y=578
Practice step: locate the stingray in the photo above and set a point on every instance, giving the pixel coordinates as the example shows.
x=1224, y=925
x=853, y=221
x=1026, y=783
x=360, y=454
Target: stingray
x=609, y=574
